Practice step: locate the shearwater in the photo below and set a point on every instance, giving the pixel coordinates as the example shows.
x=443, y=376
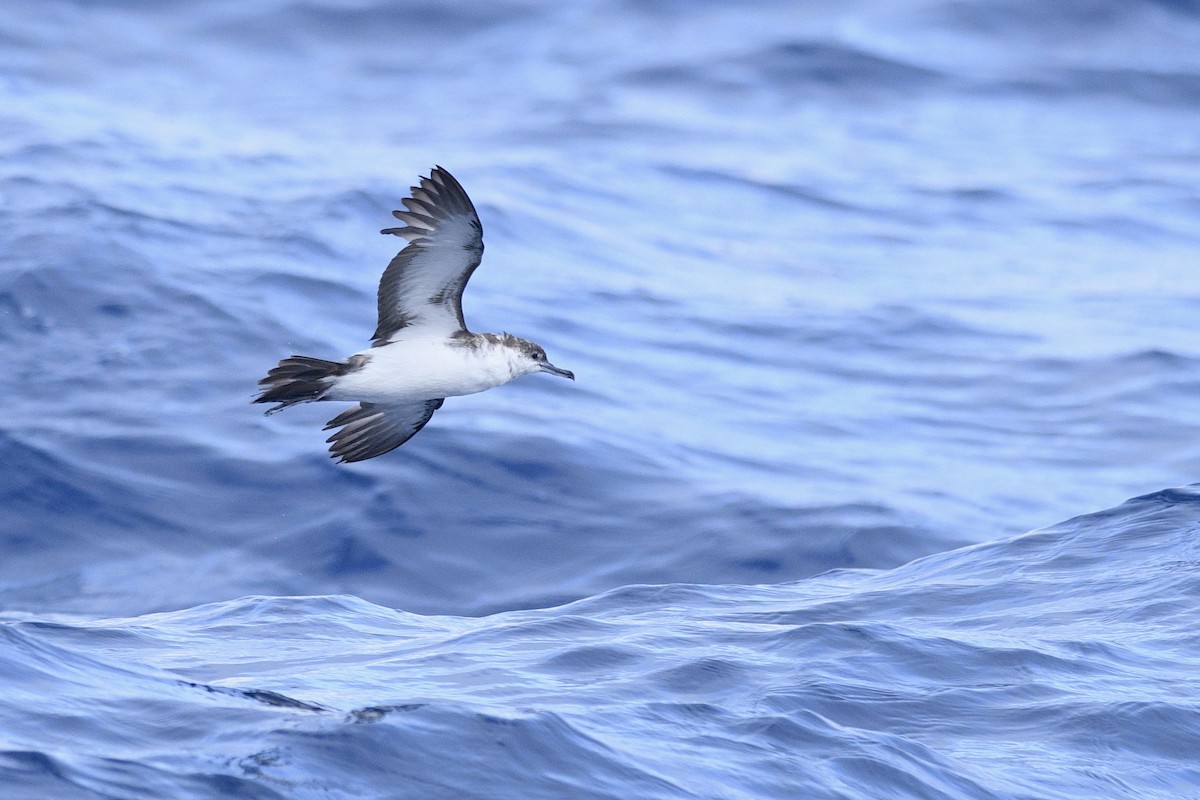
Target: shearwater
x=421, y=352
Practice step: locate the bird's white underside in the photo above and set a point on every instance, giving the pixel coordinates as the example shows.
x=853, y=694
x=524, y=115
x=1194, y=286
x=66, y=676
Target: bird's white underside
x=422, y=364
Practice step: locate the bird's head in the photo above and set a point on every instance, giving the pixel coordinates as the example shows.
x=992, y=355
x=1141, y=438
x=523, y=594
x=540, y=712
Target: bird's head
x=531, y=357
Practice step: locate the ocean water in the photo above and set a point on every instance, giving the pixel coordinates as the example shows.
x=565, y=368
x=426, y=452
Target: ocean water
x=857, y=295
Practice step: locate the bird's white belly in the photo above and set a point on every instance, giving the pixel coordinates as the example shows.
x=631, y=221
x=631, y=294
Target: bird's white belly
x=420, y=370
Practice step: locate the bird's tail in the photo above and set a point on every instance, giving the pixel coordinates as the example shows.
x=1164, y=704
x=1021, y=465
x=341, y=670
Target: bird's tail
x=301, y=379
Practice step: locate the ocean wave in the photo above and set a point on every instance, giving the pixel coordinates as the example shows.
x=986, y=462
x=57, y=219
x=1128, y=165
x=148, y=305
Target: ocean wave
x=937, y=678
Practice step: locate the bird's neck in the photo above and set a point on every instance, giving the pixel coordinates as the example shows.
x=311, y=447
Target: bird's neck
x=494, y=352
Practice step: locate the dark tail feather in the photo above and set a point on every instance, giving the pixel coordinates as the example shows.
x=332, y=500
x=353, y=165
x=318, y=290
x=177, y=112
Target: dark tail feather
x=301, y=379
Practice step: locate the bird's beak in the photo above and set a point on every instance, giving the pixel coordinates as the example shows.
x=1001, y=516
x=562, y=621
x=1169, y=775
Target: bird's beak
x=553, y=370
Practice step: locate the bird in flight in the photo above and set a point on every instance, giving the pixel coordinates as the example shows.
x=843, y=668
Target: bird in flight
x=421, y=352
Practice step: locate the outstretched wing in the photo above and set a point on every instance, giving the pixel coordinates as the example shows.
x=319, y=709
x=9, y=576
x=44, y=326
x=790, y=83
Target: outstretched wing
x=372, y=429
x=423, y=285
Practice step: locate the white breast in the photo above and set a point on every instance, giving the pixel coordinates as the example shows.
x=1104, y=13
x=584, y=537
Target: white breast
x=423, y=369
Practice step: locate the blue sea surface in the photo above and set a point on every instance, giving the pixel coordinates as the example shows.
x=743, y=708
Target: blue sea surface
x=856, y=294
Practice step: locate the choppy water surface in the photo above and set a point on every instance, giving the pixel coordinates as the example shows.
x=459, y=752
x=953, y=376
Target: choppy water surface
x=842, y=289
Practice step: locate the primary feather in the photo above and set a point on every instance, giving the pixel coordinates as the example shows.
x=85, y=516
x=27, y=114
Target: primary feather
x=423, y=285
